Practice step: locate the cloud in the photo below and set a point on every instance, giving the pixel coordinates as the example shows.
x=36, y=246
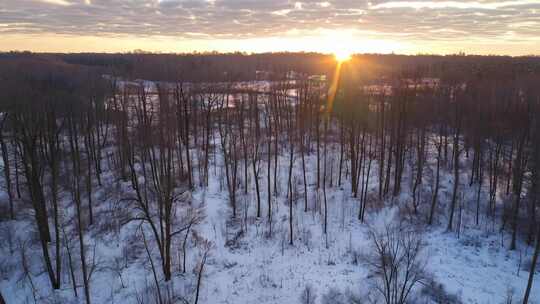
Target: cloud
x=56, y=2
x=406, y=21
x=494, y=5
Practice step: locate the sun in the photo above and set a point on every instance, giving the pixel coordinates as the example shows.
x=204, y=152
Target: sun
x=342, y=55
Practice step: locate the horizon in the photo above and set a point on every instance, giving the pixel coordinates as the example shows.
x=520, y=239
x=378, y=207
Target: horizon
x=246, y=53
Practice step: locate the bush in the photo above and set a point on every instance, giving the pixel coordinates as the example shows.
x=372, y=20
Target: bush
x=308, y=295
x=396, y=260
x=334, y=296
x=435, y=292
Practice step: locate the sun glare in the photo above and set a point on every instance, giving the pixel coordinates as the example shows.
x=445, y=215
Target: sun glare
x=342, y=55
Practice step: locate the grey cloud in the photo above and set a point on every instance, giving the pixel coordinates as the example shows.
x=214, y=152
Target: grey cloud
x=246, y=18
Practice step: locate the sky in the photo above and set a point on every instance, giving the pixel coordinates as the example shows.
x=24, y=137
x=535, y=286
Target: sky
x=505, y=27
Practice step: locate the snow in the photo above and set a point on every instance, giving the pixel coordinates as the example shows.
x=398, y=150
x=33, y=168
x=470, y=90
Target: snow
x=271, y=270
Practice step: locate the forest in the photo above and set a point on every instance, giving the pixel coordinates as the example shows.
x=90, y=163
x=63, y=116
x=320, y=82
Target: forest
x=269, y=178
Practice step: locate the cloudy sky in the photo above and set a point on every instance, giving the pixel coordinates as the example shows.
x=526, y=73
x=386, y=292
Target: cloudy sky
x=472, y=26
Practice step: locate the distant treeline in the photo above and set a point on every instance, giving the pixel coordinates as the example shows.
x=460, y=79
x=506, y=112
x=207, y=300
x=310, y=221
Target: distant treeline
x=210, y=67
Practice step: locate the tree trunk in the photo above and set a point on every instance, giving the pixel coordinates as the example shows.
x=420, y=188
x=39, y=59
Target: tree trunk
x=533, y=268
x=437, y=179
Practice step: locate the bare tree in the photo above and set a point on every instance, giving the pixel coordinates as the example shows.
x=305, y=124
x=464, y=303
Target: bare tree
x=533, y=268
x=396, y=260
x=206, y=247
x=6, y=161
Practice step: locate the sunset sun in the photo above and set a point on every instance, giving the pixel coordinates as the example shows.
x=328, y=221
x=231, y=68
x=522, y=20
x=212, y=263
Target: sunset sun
x=342, y=55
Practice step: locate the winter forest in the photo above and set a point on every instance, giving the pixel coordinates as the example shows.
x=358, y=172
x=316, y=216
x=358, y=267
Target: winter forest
x=269, y=178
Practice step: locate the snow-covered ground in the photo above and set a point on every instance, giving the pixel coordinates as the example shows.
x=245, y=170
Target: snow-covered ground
x=474, y=266
x=260, y=268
